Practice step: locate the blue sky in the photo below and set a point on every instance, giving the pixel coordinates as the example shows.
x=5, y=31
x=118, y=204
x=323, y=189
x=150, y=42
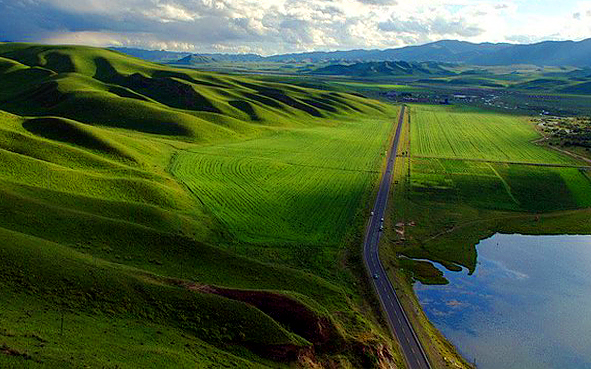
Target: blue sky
x=279, y=26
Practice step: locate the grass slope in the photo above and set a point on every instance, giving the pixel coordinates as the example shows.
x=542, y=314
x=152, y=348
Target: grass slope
x=122, y=182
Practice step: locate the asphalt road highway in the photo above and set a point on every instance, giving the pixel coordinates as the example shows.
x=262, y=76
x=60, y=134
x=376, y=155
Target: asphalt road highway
x=399, y=324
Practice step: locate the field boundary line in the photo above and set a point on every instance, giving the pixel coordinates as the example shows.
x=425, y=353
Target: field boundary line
x=507, y=187
x=551, y=165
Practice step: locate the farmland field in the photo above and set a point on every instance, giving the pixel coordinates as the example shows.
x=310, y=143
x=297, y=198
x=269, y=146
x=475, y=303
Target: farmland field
x=463, y=133
x=472, y=171
x=298, y=187
x=504, y=186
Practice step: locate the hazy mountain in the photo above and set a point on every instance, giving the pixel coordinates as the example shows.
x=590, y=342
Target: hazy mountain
x=193, y=60
x=234, y=57
x=160, y=56
x=442, y=51
x=542, y=53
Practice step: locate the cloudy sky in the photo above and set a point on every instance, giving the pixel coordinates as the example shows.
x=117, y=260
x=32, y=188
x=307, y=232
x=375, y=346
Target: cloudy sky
x=279, y=26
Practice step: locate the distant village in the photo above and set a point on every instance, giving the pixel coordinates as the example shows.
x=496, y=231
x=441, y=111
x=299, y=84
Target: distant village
x=566, y=131
x=486, y=98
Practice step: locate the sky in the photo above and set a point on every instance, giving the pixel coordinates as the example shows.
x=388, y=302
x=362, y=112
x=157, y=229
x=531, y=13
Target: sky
x=281, y=26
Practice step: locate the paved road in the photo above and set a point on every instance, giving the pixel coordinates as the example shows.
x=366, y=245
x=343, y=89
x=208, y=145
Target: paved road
x=413, y=352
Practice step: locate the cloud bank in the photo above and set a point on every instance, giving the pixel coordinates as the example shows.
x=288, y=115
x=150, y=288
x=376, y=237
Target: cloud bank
x=279, y=26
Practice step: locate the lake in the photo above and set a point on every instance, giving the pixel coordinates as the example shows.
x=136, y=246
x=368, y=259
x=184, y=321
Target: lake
x=527, y=305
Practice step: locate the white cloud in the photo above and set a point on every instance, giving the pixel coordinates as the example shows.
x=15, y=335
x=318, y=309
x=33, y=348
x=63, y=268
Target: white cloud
x=276, y=26
x=170, y=13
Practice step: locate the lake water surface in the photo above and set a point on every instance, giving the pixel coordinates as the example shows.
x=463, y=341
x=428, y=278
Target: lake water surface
x=527, y=305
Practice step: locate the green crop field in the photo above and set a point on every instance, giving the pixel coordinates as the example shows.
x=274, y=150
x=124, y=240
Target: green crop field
x=298, y=187
x=452, y=132
x=474, y=172
x=470, y=174
x=469, y=156
x=505, y=186
x=142, y=204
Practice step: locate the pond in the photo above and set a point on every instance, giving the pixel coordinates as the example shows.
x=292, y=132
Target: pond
x=527, y=305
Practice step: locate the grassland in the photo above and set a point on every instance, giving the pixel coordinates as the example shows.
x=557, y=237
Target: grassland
x=462, y=175
x=467, y=166
x=379, y=86
x=300, y=187
x=132, y=193
x=463, y=133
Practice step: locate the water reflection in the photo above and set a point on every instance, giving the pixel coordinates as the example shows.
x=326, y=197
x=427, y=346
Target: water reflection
x=527, y=305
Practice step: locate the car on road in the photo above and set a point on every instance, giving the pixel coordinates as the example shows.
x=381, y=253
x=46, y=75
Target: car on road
x=371, y=213
x=381, y=228
x=382, y=220
x=375, y=276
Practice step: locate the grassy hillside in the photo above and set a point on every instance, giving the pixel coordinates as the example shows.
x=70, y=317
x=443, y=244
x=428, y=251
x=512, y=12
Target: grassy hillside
x=384, y=69
x=156, y=208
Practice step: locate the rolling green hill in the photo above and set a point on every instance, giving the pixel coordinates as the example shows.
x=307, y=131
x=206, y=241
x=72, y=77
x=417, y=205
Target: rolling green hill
x=583, y=88
x=384, y=69
x=160, y=214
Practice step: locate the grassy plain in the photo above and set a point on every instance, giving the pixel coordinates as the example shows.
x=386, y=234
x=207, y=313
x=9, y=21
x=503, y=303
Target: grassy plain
x=467, y=167
x=461, y=183
x=376, y=86
x=297, y=190
x=466, y=133
x=123, y=183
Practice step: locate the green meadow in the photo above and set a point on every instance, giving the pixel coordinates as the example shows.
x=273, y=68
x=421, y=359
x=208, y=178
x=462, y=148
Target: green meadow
x=462, y=175
x=142, y=205
x=472, y=173
x=467, y=133
x=300, y=186
x=376, y=86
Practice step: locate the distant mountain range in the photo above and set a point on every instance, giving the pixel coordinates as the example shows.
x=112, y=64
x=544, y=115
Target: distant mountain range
x=174, y=57
x=549, y=53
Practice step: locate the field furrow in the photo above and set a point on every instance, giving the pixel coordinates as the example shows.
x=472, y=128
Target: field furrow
x=297, y=186
x=450, y=132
